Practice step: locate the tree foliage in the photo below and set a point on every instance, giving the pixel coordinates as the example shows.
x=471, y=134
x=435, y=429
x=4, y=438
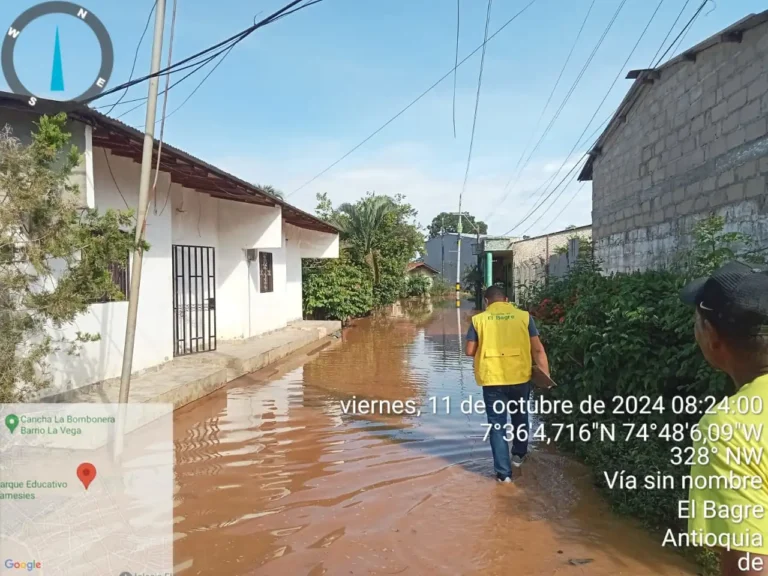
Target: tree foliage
x=54, y=254
x=379, y=237
x=446, y=222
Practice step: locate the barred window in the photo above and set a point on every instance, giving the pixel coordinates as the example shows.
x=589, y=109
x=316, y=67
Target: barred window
x=265, y=272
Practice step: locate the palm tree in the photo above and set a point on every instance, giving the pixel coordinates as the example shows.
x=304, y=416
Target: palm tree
x=360, y=224
x=271, y=190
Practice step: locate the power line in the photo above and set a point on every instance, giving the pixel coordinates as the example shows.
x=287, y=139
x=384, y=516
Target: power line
x=136, y=54
x=682, y=10
x=477, y=103
x=237, y=38
x=597, y=110
x=417, y=99
x=202, y=64
x=578, y=190
x=684, y=30
x=546, y=106
x=581, y=140
x=565, y=100
x=456, y=62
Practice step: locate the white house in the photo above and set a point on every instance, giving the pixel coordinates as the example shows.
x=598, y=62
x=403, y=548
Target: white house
x=224, y=259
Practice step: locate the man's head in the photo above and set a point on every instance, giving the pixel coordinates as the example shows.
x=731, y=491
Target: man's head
x=732, y=317
x=495, y=294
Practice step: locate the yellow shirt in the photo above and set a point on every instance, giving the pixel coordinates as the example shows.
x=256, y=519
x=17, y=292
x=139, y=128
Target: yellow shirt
x=728, y=456
x=503, y=353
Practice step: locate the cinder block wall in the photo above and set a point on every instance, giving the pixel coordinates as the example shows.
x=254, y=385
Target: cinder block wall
x=695, y=143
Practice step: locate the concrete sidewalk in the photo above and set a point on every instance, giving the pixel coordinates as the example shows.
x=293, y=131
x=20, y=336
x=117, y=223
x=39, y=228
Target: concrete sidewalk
x=188, y=378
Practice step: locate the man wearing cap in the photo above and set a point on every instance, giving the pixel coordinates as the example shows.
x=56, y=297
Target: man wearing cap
x=732, y=331
x=505, y=343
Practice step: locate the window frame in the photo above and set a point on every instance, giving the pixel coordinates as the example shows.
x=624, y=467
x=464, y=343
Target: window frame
x=266, y=274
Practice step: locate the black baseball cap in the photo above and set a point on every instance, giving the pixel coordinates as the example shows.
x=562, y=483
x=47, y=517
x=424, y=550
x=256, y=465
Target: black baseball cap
x=734, y=298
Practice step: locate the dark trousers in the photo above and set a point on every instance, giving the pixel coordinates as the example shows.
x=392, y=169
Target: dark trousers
x=497, y=415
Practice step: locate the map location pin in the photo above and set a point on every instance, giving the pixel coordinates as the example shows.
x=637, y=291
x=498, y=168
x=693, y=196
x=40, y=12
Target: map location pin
x=11, y=421
x=86, y=472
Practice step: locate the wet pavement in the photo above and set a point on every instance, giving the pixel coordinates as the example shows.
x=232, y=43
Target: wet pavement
x=274, y=478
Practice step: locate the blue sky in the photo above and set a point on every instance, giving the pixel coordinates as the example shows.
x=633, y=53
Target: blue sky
x=296, y=95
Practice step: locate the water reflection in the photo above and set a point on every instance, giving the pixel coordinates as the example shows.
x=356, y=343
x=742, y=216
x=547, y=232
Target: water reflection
x=274, y=477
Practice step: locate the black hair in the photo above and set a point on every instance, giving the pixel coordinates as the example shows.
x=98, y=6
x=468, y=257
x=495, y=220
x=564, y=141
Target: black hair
x=748, y=337
x=494, y=293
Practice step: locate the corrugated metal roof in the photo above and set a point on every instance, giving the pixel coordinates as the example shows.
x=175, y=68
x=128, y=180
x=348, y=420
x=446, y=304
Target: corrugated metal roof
x=642, y=77
x=190, y=171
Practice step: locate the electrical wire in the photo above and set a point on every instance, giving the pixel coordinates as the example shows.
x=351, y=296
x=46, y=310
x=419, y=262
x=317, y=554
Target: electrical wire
x=546, y=106
x=563, y=103
x=136, y=55
x=117, y=187
x=578, y=190
x=682, y=10
x=236, y=38
x=412, y=103
x=597, y=110
x=162, y=117
x=683, y=31
x=456, y=62
x=477, y=103
x=225, y=51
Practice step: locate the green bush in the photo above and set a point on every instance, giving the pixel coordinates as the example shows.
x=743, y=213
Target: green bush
x=441, y=287
x=335, y=290
x=417, y=285
x=629, y=335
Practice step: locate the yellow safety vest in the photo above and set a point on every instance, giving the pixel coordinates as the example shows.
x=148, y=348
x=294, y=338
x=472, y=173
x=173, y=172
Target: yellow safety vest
x=503, y=353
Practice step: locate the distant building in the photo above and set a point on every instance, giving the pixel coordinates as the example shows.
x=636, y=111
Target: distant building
x=510, y=261
x=441, y=251
x=689, y=139
x=420, y=268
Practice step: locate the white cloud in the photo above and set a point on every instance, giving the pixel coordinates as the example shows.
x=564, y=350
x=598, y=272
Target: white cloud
x=429, y=184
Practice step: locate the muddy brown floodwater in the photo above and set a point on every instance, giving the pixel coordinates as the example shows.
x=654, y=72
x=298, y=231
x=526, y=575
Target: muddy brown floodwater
x=273, y=478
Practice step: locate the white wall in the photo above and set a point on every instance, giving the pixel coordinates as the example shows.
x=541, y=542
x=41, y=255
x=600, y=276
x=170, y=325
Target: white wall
x=242, y=311
x=188, y=217
x=303, y=243
x=154, y=334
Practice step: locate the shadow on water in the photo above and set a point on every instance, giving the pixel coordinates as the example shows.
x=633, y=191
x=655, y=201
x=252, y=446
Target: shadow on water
x=274, y=477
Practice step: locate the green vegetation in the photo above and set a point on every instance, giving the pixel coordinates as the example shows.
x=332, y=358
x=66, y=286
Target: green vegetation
x=629, y=335
x=416, y=285
x=446, y=222
x=54, y=254
x=379, y=237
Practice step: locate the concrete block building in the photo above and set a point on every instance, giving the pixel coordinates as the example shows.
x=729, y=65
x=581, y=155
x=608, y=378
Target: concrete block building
x=690, y=139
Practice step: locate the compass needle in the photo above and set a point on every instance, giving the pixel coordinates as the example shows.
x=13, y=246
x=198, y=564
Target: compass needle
x=57, y=74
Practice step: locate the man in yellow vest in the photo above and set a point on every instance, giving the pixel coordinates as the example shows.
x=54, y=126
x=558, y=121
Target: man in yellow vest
x=732, y=331
x=505, y=343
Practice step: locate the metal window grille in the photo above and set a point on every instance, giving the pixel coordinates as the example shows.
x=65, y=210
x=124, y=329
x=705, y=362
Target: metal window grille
x=265, y=272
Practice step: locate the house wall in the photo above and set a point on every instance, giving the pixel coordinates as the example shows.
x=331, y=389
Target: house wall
x=242, y=310
x=695, y=143
x=20, y=123
x=435, y=248
x=301, y=243
x=182, y=217
x=530, y=256
x=102, y=360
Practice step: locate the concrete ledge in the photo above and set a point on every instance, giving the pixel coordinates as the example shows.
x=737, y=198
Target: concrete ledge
x=189, y=378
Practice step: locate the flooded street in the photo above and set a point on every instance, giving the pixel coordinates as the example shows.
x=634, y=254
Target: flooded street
x=273, y=478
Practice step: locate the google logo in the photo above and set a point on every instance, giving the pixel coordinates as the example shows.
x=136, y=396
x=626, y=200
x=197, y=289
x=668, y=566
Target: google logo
x=28, y=566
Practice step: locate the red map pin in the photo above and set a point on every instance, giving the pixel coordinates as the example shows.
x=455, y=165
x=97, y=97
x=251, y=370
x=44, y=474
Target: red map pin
x=86, y=472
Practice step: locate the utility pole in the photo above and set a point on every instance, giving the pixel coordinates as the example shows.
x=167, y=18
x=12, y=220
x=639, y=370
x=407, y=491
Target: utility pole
x=458, y=261
x=141, y=223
